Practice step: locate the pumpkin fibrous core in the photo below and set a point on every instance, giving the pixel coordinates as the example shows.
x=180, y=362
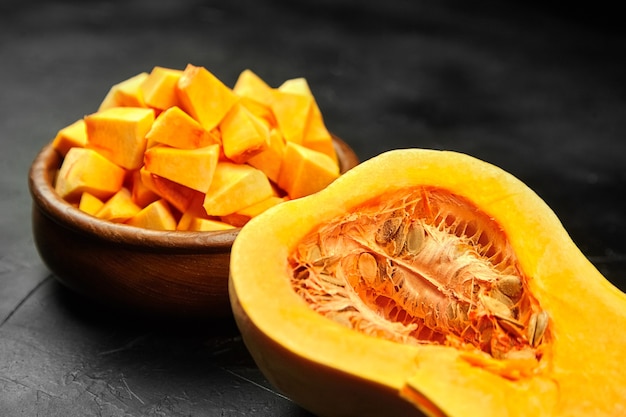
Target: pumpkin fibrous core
x=422, y=265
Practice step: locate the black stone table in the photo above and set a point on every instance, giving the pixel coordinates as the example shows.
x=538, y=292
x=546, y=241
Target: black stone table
x=539, y=92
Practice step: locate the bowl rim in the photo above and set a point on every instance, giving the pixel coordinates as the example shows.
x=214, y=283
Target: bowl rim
x=41, y=177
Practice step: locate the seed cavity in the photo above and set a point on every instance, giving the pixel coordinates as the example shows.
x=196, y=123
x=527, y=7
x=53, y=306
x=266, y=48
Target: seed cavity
x=422, y=266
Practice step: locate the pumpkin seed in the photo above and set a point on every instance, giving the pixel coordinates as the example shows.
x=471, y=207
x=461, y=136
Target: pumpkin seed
x=537, y=327
x=415, y=239
x=368, y=267
x=388, y=230
x=511, y=286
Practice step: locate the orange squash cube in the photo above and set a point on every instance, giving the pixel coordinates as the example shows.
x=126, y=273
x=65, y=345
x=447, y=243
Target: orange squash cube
x=192, y=168
x=85, y=170
x=89, y=203
x=125, y=94
x=159, y=88
x=176, y=128
x=244, y=215
x=305, y=171
x=291, y=112
x=251, y=86
x=270, y=159
x=260, y=110
x=234, y=187
x=178, y=195
x=119, y=208
x=74, y=135
x=193, y=223
x=156, y=216
x=243, y=134
x=119, y=134
x=316, y=135
x=141, y=193
x=204, y=96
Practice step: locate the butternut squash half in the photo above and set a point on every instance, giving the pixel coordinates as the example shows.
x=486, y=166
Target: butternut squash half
x=427, y=282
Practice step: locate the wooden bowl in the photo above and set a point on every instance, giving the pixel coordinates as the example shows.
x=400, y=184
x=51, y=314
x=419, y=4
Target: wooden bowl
x=175, y=274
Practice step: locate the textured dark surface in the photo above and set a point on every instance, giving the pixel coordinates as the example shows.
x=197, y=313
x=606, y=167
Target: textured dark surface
x=539, y=92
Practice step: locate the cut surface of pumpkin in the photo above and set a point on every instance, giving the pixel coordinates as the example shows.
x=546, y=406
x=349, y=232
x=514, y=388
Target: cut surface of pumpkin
x=119, y=133
x=192, y=168
x=452, y=290
x=85, y=170
x=176, y=128
x=204, y=96
x=234, y=187
x=159, y=88
x=71, y=136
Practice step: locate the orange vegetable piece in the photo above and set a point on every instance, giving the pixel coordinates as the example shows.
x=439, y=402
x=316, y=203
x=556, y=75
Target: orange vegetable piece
x=159, y=88
x=74, y=135
x=176, y=128
x=156, y=215
x=85, y=170
x=176, y=194
x=141, y=193
x=119, y=208
x=243, y=134
x=204, y=96
x=305, y=171
x=251, y=86
x=316, y=135
x=270, y=159
x=190, y=167
x=291, y=112
x=125, y=94
x=244, y=215
x=260, y=110
x=200, y=224
x=89, y=203
x=234, y=187
x=119, y=133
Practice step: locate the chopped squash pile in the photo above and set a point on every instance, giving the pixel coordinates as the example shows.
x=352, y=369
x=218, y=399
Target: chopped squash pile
x=179, y=150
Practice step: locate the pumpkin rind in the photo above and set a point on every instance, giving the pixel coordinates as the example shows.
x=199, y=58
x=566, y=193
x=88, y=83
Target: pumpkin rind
x=313, y=359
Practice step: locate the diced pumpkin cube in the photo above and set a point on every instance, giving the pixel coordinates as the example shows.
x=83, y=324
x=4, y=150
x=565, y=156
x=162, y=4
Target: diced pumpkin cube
x=85, y=170
x=269, y=160
x=125, y=94
x=119, y=208
x=156, y=215
x=234, y=187
x=258, y=208
x=235, y=219
x=199, y=224
x=243, y=134
x=260, y=110
x=159, y=88
x=251, y=86
x=204, y=96
x=141, y=193
x=305, y=171
x=177, y=195
x=119, y=133
x=74, y=135
x=316, y=135
x=176, y=128
x=89, y=203
x=193, y=168
x=291, y=112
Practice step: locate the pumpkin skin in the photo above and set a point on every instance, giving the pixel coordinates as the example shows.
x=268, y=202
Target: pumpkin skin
x=333, y=370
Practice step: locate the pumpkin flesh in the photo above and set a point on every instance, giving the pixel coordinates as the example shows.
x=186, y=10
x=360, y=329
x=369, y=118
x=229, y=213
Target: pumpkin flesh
x=575, y=370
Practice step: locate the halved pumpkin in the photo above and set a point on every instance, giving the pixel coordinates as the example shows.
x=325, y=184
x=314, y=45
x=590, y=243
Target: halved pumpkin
x=428, y=282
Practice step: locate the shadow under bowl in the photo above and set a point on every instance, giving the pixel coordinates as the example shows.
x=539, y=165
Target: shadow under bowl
x=176, y=274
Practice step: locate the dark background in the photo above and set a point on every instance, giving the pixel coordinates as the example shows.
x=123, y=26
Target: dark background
x=536, y=89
